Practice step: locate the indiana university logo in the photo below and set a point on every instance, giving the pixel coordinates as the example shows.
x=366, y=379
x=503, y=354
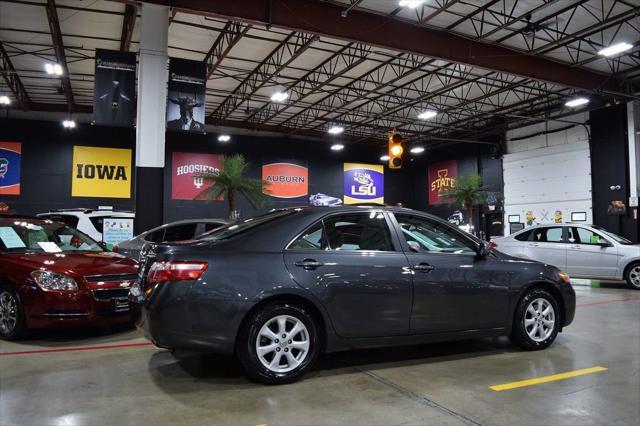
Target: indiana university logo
x=103, y=172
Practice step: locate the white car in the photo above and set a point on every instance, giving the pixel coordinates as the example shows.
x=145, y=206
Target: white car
x=583, y=251
x=320, y=199
x=88, y=221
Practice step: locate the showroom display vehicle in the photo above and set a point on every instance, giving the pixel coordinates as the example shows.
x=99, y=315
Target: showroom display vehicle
x=279, y=289
x=52, y=275
x=89, y=221
x=583, y=251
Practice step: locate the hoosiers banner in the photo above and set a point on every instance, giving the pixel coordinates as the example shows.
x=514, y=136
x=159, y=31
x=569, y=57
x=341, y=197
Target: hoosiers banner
x=185, y=104
x=185, y=168
x=286, y=180
x=363, y=183
x=441, y=178
x=114, y=99
x=10, y=157
x=101, y=172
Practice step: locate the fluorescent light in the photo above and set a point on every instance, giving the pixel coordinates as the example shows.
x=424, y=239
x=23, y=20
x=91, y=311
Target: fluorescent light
x=427, y=115
x=69, y=124
x=337, y=147
x=411, y=4
x=385, y=158
x=417, y=150
x=4, y=100
x=224, y=138
x=279, y=96
x=53, y=69
x=615, y=49
x=576, y=102
x=57, y=69
x=336, y=130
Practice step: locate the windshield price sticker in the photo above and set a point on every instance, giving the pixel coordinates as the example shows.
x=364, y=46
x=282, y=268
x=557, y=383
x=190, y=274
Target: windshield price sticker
x=49, y=247
x=10, y=238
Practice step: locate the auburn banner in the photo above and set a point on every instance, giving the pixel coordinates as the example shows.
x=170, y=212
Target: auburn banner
x=114, y=97
x=187, y=87
x=101, y=172
x=363, y=183
x=441, y=178
x=286, y=180
x=10, y=157
x=185, y=168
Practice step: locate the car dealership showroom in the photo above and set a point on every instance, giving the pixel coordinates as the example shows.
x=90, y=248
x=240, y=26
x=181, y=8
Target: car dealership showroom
x=319, y=212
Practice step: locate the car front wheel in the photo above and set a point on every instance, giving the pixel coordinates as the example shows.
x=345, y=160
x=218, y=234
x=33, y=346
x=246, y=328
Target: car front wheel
x=537, y=320
x=278, y=344
x=632, y=276
x=12, y=325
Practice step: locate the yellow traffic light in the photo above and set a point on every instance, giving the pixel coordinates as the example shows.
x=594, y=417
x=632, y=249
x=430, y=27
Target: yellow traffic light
x=395, y=150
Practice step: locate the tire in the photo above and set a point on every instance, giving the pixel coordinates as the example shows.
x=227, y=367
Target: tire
x=632, y=276
x=12, y=322
x=533, y=330
x=282, y=360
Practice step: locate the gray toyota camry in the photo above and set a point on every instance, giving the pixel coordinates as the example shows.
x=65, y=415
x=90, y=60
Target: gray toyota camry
x=279, y=289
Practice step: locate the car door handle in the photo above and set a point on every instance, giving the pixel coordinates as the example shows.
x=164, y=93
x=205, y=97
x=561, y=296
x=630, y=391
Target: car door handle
x=534, y=245
x=308, y=264
x=423, y=267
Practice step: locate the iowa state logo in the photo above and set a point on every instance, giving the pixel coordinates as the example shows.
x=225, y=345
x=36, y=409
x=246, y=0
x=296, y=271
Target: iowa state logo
x=442, y=177
x=443, y=182
x=10, y=156
x=286, y=180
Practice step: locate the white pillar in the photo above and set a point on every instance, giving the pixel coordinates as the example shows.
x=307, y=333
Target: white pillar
x=633, y=138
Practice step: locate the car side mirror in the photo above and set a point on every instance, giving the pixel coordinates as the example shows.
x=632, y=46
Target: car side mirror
x=482, y=249
x=604, y=244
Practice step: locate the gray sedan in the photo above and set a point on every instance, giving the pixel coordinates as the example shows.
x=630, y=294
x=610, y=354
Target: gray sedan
x=174, y=231
x=583, y=251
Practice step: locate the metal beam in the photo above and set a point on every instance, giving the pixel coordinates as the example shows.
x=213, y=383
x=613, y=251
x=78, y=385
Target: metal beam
x=324, y=19
x=229, y=37
x=128, y=22
x=10, y=75
x=58, y=47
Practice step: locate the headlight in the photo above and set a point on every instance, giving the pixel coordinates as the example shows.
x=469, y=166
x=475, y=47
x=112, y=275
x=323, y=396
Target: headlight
x=564, y=277
x=52, y=281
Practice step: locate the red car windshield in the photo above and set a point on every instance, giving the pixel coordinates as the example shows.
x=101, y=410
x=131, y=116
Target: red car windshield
x=44, y=237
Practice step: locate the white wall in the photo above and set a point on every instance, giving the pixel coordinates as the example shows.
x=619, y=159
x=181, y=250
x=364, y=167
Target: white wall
x=546, y=173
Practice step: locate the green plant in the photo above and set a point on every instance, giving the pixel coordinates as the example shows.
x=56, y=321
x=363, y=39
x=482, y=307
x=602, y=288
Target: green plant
x=231, y=180
x=468, y=191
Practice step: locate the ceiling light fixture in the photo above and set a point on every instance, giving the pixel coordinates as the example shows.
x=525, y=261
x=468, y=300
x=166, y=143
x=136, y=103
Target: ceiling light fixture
x=4, y=100
x=385, y=158
x=69, y=124
x=336, y=130
x=337, y=147
x=427, y=115
x=615, y=49
x=53, y=69
x=417, y=150
x=576, y=102
x=411, y=4
x=279, y=96
x=224, y=138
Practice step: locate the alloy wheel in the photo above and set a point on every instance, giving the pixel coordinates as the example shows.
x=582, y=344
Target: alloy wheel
x=282, y=343
x=634, y=276
x=8, y=312
x=539, y=320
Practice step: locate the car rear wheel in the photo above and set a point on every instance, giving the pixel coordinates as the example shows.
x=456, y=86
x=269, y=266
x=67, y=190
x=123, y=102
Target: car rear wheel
x=12, y=325
x=537, y=320
x=278, y=344
x=632, y=276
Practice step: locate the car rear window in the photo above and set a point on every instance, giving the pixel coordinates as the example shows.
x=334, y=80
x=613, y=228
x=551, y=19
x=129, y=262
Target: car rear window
x=240, y=226
x=67, y=219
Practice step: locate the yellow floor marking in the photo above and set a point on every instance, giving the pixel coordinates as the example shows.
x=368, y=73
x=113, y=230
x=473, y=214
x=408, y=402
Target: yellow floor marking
x=546, y=379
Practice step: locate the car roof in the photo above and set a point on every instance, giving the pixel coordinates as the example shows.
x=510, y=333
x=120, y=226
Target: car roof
x=10, y=219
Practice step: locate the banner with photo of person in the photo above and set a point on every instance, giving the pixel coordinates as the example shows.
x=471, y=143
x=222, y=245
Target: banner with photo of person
x=363, y=183
x=185, y=101
x=114, y=96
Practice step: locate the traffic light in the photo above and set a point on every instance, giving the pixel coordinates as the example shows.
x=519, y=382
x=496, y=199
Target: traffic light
x=395, y=150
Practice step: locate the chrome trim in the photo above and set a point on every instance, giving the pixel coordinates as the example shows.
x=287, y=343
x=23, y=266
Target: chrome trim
x=82, y=314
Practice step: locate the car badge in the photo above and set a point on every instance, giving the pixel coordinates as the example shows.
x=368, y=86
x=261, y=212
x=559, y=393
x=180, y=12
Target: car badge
x=125, y=284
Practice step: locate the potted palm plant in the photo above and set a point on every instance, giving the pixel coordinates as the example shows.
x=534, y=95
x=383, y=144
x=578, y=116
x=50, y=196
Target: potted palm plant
x=231, y=181
x=467, y=192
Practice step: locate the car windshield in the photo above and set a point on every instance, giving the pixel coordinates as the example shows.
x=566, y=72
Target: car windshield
x=617, y=238
x=240, y=226
x=44, y=237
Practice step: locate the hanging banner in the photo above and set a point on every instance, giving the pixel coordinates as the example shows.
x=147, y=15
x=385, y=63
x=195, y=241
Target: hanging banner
x=363, y=183
x=10, y=158
x=114, y=97
x=101, y=172
x=286, y=180
x=185, y=103
x=441, y=177
x=185, y=168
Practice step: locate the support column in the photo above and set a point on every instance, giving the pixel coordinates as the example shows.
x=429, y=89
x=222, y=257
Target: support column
x=152, y=104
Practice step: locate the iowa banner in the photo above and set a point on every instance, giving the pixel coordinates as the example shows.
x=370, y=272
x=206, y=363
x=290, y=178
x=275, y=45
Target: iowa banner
x=114, y=99
x=363, y=183
x=185, y=168
x=101, y=172
x=10, y=157
x=185, y=103
x=441, y=177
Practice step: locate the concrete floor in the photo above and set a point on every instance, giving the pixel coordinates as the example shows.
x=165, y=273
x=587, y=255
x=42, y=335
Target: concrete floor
x=429, y=384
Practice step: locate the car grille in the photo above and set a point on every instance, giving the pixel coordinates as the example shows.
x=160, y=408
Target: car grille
x=111, y=278
x=107, y=294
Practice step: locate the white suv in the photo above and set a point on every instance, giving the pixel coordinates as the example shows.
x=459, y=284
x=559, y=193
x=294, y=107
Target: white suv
x=86, y=220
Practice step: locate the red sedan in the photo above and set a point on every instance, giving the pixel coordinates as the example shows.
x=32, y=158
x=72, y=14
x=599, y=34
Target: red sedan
x=52, y=275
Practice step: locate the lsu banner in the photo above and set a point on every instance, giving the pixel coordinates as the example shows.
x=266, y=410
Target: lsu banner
x=101, y=172
x=441, y=178
x=185, y=168
x=185, y=103
x=363, y=183
x=10, y=157
x=114, y=98
x=286, y=180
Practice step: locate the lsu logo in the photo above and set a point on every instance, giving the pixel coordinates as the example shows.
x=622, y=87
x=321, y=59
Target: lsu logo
x=101, y=172
x=363, y=183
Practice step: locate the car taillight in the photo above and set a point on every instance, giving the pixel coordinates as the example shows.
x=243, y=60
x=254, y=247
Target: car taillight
x=175, y=271
x=492, y=245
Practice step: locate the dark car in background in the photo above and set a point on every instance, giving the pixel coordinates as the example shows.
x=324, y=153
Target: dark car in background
x=52, y=275
x=279, y=289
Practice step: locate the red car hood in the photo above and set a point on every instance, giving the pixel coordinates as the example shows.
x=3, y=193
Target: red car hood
x=77, y=265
